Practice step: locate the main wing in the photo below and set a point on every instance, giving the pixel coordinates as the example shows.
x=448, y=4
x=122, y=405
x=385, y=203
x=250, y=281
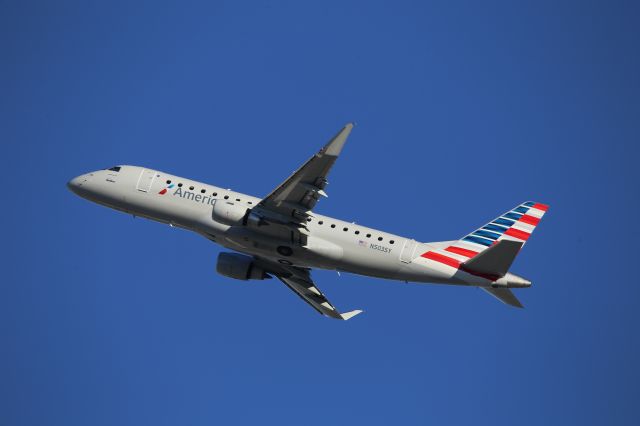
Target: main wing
x=295, y=197
x=299, y=280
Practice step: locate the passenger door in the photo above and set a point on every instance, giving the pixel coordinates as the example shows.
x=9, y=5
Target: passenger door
x=407, y=253
x=145, y=180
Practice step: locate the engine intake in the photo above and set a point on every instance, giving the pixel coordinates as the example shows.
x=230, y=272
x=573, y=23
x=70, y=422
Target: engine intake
x=239, y=267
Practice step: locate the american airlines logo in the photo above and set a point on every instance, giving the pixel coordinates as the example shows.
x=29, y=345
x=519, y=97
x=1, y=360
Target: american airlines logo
x=198, y=198
x=164, y=190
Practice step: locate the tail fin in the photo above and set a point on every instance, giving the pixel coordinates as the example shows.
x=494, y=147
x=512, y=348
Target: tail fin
x=489, y=251
x=515, y=225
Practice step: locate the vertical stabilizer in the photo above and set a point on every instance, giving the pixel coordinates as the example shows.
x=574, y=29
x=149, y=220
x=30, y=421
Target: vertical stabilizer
x=516, y=225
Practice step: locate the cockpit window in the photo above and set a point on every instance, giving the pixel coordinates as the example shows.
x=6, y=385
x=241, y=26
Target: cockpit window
x=115, y=169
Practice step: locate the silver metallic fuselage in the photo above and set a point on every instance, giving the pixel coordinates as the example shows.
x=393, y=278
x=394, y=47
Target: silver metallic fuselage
x=330, y=243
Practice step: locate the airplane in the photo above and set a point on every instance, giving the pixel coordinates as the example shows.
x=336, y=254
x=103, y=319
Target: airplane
x=281, y=236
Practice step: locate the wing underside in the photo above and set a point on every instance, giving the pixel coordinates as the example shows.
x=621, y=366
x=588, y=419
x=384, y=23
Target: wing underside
x=300, y=282
x=314, y=297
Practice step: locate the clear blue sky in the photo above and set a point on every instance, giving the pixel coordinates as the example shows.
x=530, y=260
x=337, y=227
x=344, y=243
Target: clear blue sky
x=464, y=109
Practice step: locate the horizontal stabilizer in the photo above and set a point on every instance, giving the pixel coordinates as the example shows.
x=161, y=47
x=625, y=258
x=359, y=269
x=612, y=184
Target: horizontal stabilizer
x=504, y=295
x=494, y=261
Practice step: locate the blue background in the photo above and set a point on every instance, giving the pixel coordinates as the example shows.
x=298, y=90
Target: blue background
x=464, y=109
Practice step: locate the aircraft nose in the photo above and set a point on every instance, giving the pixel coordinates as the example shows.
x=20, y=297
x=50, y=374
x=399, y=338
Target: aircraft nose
x=75, y=184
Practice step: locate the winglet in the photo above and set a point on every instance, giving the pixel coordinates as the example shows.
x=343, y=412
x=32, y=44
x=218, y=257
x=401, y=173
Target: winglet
x=348, y=315
x=334, y=147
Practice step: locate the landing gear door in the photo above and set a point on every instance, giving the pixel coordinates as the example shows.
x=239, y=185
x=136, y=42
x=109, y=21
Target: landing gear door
x=145, y=180
x=407, y=253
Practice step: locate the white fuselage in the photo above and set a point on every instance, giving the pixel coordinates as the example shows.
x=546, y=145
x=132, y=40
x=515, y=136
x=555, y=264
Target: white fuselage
x=328, y=243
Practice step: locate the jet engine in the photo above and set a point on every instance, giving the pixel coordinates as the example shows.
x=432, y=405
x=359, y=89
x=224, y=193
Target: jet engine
x=239, y=267
x=229, y=213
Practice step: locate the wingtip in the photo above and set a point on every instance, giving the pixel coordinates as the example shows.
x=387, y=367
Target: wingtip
x=348, y=315
x=334, y=146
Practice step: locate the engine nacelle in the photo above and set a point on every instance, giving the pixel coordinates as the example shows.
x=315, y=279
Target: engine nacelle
x=229, y=213
x=239, y=267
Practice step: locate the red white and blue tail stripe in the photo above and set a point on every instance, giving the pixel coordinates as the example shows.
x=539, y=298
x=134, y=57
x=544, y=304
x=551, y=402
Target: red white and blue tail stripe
x=516, y=224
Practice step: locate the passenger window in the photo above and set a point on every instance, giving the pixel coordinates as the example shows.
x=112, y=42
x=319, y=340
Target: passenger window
x=203, y=191
x=168, y=182
x=250, y=202
x=237, y=199
x=179, y=185
x=226, y=197
x=357, y=232
x=333, y=225
x=215, y=194
x=368, y=235
x=391, y=242
x=345, y=229
x=379, y=238
x=191, y=188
